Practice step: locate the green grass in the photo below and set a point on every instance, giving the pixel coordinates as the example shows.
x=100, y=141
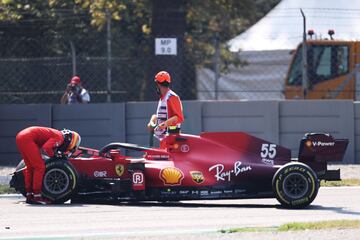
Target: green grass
x=299, y=226
x=5, y=188
x=344, y=182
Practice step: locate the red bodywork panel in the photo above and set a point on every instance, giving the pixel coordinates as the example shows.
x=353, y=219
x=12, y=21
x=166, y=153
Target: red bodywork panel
x=218, y=165
x=188, y=160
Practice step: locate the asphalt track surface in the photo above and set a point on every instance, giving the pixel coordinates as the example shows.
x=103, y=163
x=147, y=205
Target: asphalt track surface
x=19, y=220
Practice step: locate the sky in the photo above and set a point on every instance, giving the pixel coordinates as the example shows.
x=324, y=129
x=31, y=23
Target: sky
x=282, y=27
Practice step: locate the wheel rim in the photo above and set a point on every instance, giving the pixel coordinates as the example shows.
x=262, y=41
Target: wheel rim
x=56, y=181
x=295, y=185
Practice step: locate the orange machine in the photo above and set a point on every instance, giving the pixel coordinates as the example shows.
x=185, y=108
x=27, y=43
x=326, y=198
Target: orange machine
x=333, y=68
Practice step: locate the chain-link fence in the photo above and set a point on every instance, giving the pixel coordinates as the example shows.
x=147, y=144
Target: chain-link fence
x=261, y=77
x=32, y=73
x=117, y=63
x=43, y=78
x=38, y=57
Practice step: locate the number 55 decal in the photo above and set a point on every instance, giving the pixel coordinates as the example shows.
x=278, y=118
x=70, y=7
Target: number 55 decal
x=268, y=150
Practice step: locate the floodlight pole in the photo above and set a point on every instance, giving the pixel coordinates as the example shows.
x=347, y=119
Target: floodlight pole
x=305, y=85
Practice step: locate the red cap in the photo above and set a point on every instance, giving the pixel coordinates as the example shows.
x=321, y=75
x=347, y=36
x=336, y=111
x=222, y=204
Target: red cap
x=75, y=80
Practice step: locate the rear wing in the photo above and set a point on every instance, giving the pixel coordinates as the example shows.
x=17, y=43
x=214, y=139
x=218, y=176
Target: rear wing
x=317, y=149
x=322, y=147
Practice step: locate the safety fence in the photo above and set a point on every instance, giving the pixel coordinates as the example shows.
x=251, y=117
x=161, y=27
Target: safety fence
x=209, y=60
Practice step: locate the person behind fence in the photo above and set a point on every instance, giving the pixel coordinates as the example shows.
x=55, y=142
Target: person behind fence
x=33, y=142
x=75, y=93
x=169, y=114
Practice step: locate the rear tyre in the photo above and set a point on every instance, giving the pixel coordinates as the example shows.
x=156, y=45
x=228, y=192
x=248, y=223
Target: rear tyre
x=295, y=185
x=60, y=181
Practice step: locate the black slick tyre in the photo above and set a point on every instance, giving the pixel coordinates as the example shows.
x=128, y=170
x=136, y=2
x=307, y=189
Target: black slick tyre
x=295, y=185
x=60, y=181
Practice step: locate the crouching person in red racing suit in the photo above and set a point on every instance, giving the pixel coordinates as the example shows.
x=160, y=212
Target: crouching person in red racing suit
x=31, y=142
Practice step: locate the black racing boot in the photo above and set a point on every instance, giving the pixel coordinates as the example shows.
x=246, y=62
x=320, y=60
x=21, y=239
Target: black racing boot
x=29, y=198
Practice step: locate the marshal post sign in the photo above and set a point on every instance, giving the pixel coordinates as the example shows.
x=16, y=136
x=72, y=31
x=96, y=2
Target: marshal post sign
x=165, y=46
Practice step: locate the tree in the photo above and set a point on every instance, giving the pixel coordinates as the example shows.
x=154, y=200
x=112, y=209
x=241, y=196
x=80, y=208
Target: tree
x=51, y=25
x=219, y=21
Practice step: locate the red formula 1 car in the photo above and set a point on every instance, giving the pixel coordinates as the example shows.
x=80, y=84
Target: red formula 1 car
x=219, y=165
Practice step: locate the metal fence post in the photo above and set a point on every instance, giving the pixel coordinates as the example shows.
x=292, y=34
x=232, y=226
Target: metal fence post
x=305, y=83
x=217, y=66
x=73, y=56
x=357, y=82
x=108, y=41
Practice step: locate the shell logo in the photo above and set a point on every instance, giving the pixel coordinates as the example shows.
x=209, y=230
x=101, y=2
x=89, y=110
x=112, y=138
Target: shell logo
x=171, y=176
x=308, y=143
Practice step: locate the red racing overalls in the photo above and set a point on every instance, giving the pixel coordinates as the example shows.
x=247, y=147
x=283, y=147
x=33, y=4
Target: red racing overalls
x=30, y=141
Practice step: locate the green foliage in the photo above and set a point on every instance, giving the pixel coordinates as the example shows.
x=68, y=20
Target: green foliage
x=53, y=21
x=208, y=21
x=216, y=22
x=48, y=28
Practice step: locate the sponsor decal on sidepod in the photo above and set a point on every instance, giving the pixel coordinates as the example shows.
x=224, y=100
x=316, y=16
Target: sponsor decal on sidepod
x=100, y=173
x=197, y=177
x=222, y=175
x=171, y=176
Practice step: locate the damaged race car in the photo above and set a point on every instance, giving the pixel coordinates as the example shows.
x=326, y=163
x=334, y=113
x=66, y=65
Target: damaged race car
x=214, y=165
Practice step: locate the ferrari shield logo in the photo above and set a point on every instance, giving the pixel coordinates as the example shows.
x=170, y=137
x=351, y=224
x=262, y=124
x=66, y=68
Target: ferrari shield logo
x=119, y=168
x=197, y=176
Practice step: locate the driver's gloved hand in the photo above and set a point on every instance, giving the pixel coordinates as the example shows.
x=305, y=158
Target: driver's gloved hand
x=59, y=154
x=44, y=155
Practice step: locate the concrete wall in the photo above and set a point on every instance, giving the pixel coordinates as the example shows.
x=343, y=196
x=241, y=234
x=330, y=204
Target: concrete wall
x=333, y=116
x=138, y=115
x=98, y=124
x=281, y=122
x=14, y=118
x=259, y=118
x=357, y=131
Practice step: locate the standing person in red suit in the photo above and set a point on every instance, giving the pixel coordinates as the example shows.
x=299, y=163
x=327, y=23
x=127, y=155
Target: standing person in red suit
x=169, y=114
x=34, y=141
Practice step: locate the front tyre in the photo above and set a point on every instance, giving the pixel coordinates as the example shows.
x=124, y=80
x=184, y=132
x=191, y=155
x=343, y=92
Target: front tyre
x=295, y=185
x=17, y=181
x=60, y=181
